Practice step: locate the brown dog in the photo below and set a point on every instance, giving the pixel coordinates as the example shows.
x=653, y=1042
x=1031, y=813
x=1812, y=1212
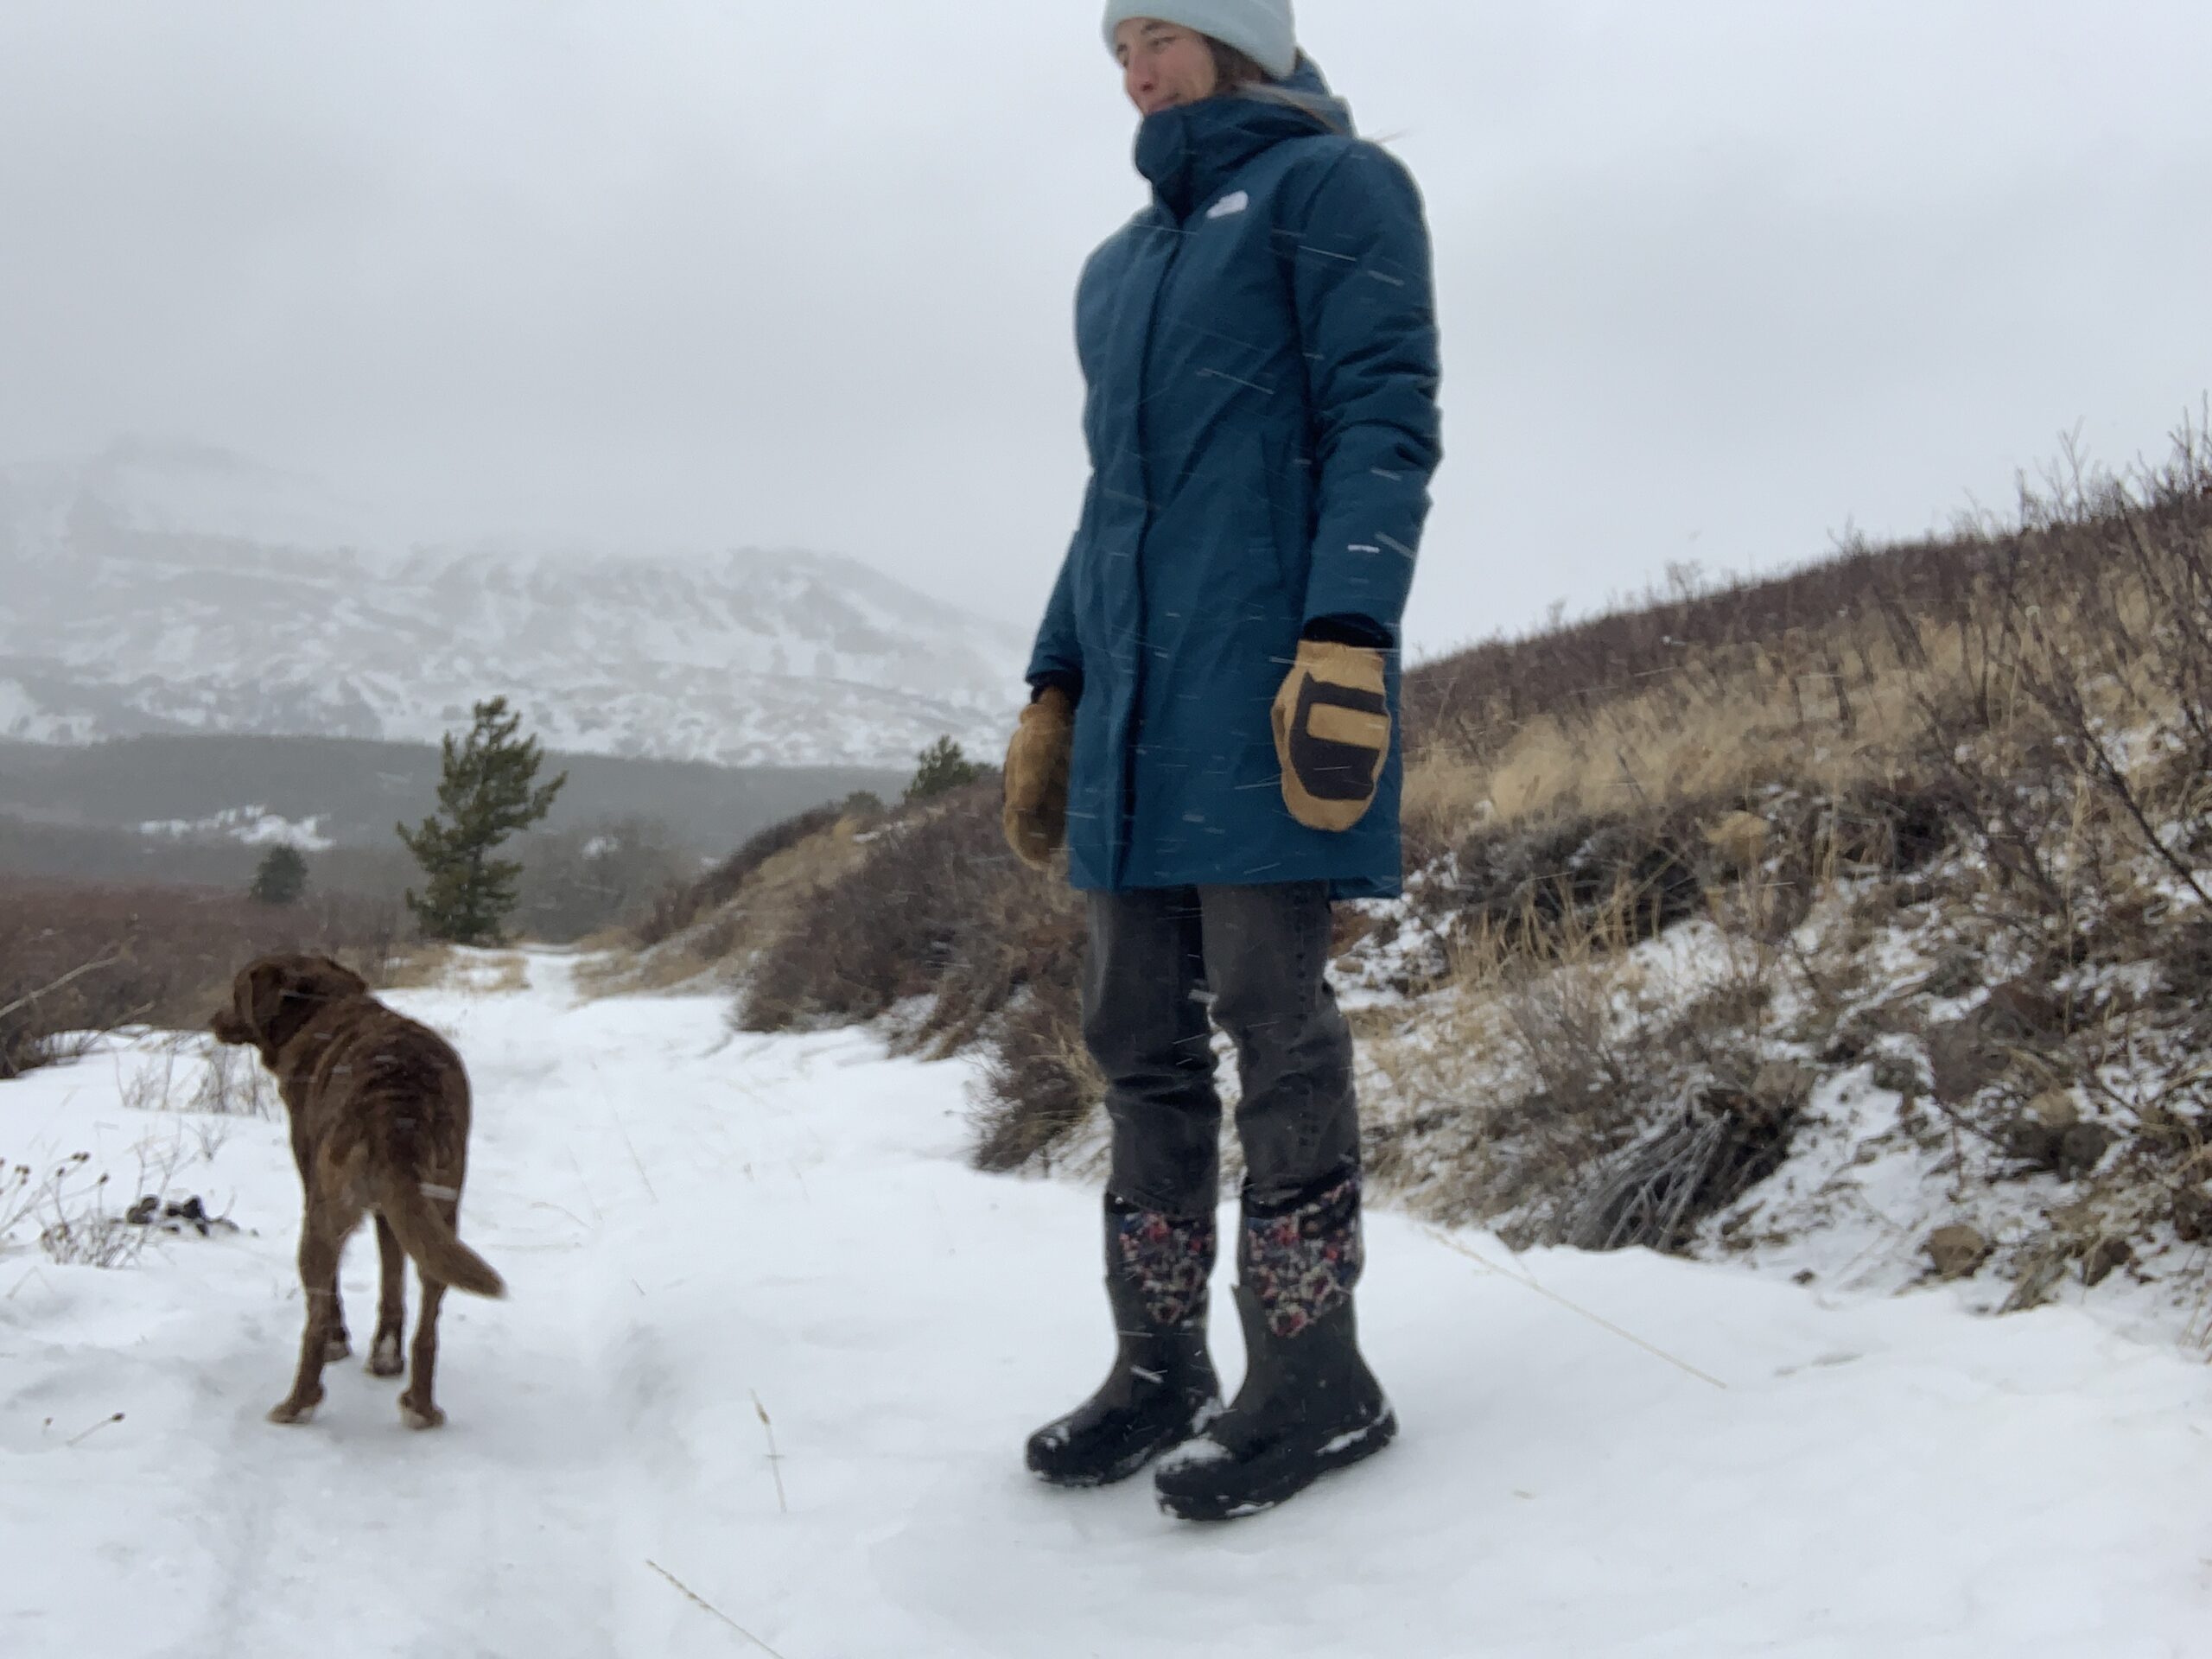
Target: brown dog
x=380, y=1113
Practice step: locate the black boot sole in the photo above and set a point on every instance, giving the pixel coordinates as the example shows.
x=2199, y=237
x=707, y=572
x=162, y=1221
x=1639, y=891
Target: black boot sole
x=1353, y=1447
x=1132, y=1462
x=1112, y=1475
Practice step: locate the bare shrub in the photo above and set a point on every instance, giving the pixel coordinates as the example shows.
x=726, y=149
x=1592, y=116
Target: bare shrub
x=69, y=1206
x=1040, y=1088
x=680, y=904
x=192, y=1075
x=1580, y=883
x=24, y=1191
x=93, y=1238
x=1721, y=1144
x=235, y=1084
x=939, y=909
x=77, y=1217
x=75, y=959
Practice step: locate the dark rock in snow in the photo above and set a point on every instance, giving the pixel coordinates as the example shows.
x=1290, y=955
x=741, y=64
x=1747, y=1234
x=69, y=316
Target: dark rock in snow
x=2080, y=1149
x=1899, y=1073
x=2106, y=1258
x=2020, y=1012
x=177, y=1216
x=2193, y=1215
x=1957, y=1251
x=1954, y=976
x=1960, y=1062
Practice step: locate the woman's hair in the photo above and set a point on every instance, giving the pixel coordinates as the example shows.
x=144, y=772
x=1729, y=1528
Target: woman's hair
x=1234, y=69
x=1236, y=73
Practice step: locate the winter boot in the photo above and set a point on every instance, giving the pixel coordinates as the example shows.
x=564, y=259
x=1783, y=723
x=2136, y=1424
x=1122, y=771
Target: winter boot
x=1162, y=1389
x=1309, y=1404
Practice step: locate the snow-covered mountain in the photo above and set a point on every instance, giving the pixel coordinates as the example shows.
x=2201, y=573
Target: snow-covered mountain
x=173, y=588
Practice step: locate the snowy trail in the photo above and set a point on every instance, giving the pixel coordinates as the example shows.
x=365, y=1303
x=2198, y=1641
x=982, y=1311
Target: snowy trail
x=688, y=1219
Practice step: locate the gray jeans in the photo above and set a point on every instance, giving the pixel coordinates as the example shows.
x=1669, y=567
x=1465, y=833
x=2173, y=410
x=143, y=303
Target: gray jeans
x=1256, y=958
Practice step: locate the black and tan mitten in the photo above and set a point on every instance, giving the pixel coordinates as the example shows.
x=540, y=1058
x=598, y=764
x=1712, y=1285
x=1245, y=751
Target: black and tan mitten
x=1332, y=732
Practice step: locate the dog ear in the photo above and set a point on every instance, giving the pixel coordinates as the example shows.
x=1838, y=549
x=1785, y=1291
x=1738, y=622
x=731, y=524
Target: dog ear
x=338, y=979
x=261, y=997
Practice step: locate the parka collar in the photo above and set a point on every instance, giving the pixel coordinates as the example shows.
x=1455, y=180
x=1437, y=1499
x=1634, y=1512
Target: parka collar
x=1191, y=151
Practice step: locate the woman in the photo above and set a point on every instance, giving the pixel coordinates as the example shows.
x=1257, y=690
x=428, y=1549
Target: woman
x=1213, y=730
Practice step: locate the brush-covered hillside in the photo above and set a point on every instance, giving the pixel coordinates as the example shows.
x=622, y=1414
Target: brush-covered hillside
x=1855, y=923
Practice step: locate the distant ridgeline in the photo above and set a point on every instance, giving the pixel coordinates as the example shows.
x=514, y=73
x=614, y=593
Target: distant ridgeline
x=205, y=809
x=173, y=590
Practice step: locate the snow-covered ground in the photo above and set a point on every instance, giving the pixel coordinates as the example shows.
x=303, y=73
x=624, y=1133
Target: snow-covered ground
x=692, y=1223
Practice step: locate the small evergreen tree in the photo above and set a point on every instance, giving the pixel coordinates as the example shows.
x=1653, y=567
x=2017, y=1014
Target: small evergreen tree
x=281, y=877
x=488, y=792
x=944, y=768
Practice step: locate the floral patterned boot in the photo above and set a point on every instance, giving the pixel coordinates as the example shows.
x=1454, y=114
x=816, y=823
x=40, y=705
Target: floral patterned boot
x=1162, y=1389
x=1309, y=1404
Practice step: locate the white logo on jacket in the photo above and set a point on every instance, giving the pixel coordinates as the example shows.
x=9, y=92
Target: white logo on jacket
x=1235, y=202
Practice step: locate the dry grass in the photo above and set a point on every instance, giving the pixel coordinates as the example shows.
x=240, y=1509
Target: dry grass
x=1708, y=731
x=1835, y=711
x=1445, y=792
x=1825, y=677
x=423, y=965
x=681, y=906
x=740, y=912
x=501, y=975
x=1041, y=1091
x=779, y=894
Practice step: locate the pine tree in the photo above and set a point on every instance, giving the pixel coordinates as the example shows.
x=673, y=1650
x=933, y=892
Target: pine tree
x=945, y=767
x=281, y=878
x=488, y=792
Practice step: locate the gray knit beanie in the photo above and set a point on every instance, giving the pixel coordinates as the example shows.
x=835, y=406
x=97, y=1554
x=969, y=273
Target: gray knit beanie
x=1263, y=31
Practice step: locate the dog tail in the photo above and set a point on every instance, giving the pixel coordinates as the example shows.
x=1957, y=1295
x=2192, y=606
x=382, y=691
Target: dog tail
x=432, y=1244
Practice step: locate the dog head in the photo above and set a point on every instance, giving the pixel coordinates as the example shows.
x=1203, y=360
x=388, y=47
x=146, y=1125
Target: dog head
x=273, y=998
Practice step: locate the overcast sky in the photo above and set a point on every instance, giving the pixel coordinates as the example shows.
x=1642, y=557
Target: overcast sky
x=1717, y=276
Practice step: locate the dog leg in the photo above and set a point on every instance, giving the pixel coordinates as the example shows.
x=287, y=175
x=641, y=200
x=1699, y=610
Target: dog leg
x=418, y=1408
x=339, y=1346
x=387, y=1355
x=319, y=1279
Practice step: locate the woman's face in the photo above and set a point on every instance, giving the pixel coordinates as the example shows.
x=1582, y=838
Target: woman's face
x=1164, y=64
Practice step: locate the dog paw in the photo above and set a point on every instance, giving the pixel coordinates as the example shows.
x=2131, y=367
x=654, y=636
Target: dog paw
x=420, y=1417
x=292, y=1413
x=385, y=1359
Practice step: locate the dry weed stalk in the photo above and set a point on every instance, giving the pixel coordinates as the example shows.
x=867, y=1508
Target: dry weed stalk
x=708, y=1608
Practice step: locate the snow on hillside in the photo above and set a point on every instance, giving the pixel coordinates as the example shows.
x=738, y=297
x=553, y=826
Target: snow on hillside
x=255, y=826
x=1603, y=1455
x=180, y=589
x=26, y=718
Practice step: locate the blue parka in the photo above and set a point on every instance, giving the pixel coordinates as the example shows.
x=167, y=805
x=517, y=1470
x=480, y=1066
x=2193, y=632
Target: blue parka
x=1261, y=355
